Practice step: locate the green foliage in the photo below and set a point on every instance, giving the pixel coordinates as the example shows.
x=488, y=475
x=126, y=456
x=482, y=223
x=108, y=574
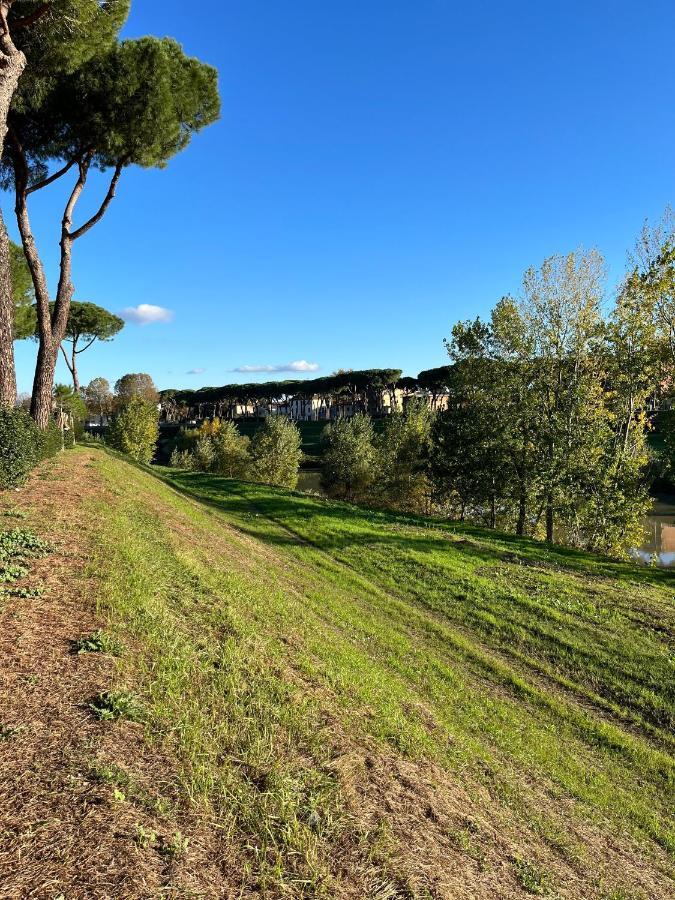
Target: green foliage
x=71, y=411
x=98, y=397
x=533, y=879
x=20, y=446
x=182, y=459
x=135, y=102
x=98, y=642
x=349, y=465
x=20, y=543
x=16, y=548
x=135, y=429
x=111, y=705
x=89, y=322
x=203, y=454
x=23, y=293
x=69, y=400
x=50, y=441
x=230, y=452
x=276, y=453
x=404, y=449
x=59, y=42
x=213, y=447
x=545, y=424
x=138, y=384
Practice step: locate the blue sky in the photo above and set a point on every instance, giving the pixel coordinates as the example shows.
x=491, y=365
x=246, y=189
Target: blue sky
x=380, y=171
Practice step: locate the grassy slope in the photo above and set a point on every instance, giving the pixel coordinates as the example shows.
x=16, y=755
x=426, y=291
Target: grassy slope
x=282, y=634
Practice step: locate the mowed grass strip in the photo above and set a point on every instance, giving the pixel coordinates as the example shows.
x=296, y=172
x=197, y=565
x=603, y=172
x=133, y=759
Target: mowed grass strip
x=276, y=628
x=600, y=630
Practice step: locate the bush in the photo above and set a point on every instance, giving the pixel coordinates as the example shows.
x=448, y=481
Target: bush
x=23, y=445
x=230, y=452
x=135, y=430
x=203, y=455
x=349, y=467
x=276, y=453
x=51, y=441
x=181, y=459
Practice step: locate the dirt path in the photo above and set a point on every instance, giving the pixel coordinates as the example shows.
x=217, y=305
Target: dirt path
x=86, y=809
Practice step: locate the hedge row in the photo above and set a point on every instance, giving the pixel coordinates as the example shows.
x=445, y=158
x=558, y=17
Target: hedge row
x=23, y=445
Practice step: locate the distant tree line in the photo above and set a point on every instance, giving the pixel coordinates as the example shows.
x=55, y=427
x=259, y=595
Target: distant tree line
x=359, y=391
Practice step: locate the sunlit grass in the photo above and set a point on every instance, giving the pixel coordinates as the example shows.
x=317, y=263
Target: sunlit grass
x=272, y=626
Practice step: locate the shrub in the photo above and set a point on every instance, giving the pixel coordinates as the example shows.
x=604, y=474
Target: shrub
x=50, y=441
x=20, y=446
x=230, y=451
x=135, y=430
x=403, y=482
x=276, y=453
x=349, y=467
x=203, y=455
x=181, y=459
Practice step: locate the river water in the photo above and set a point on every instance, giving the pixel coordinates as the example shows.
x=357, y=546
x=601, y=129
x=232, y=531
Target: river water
x=658, y=546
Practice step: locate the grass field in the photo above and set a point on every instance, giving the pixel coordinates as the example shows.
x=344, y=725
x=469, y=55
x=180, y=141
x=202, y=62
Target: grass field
x=367, y=705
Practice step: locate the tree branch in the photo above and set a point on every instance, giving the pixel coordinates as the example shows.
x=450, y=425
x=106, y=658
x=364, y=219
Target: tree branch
x=27, y=238
x=51, y=179
x=83, y=166
x=65, y=356
x=86, y=346
x=83, y=229
x=39, y=13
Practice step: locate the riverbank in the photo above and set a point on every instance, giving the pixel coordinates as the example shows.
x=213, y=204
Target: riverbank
x=294, y=697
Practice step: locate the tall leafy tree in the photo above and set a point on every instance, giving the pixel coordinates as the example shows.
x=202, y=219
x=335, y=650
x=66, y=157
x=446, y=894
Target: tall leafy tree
x=137, y=103
x=98, y=397
x=136, y=384
x=45, y=38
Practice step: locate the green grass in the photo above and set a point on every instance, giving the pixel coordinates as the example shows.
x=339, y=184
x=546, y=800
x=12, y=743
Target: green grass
x=275, y=627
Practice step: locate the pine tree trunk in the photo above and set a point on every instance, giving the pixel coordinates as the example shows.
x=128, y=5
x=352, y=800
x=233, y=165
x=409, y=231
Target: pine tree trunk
x=7, y=369
x=12, y=64
x=41, y=404
x=73, y=371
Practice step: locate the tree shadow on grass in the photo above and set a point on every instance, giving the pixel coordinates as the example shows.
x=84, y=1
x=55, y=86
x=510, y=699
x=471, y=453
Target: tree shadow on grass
x=344, y=524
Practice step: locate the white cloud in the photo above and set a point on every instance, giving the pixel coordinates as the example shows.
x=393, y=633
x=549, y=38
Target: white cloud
x=300, y=365
x=195, y=371
x=146, y=314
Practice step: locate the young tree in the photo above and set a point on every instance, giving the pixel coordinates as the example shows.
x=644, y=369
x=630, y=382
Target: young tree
x=231, y=452
x=135, y=429
x=558, y=325
x=404, y=456
x=203, y=454
x=98, y=398
x=349, y=466
x=138, y=384
x=89, y=323
x=276, y=453
x=138, y=103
